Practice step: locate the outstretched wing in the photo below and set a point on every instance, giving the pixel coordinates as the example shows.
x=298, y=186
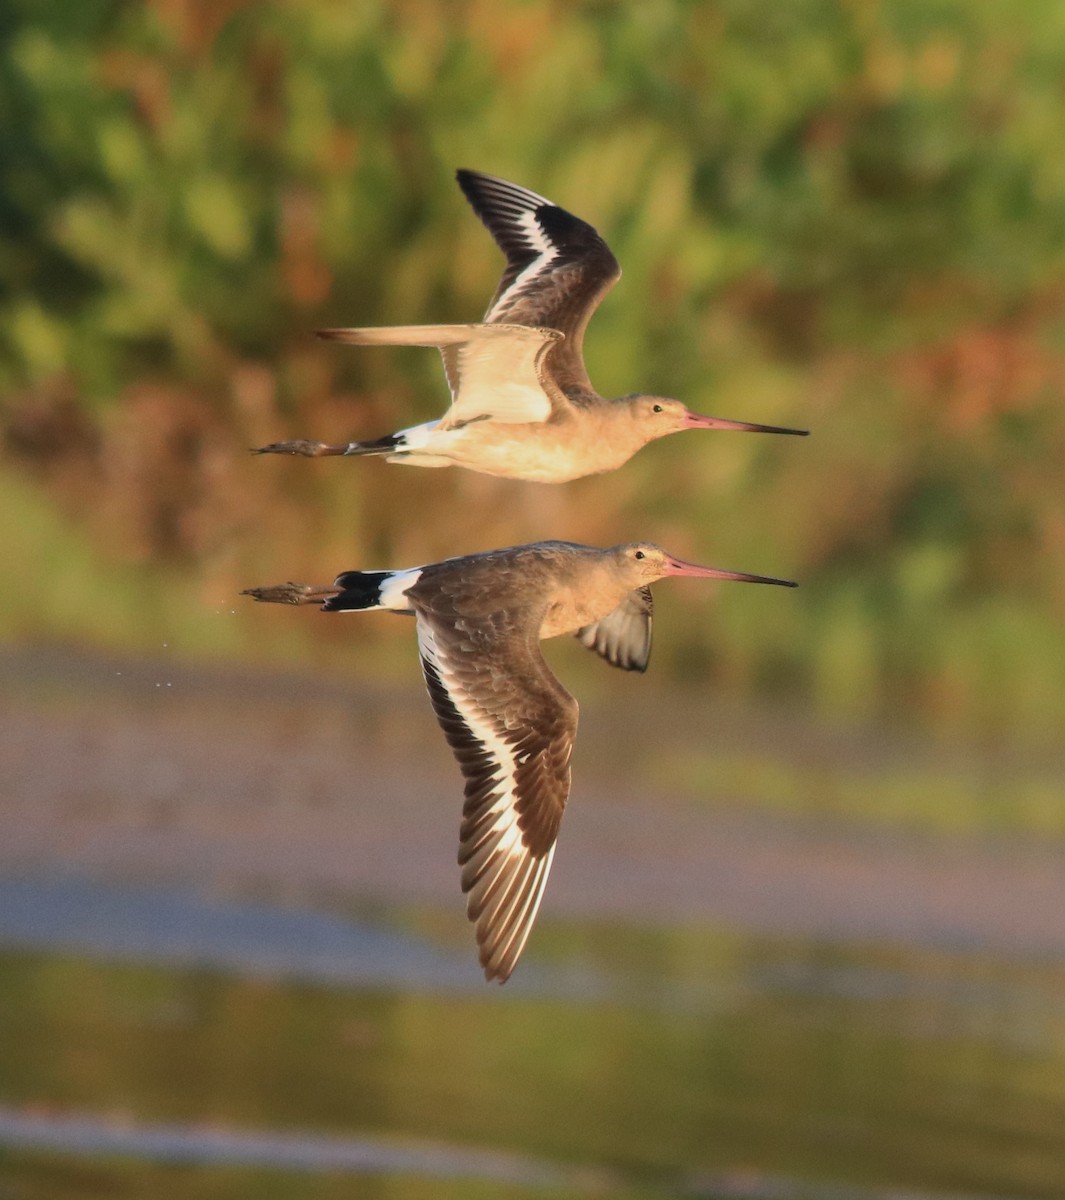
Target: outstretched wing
x=511, y=726
x=558, y=267
x=493, y=371
x=623, y=637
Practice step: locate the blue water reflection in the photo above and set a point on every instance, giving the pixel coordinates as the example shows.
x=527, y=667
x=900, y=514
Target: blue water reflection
x=161, y=1026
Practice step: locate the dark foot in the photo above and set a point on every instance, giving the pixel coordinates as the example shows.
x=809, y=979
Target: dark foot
x=292, y=593
x=307, y=449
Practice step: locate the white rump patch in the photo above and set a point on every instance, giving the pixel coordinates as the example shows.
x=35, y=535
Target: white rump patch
x=394, y=589
x=417, y=437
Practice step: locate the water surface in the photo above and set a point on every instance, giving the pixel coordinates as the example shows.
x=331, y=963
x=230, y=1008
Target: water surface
x=223, y=977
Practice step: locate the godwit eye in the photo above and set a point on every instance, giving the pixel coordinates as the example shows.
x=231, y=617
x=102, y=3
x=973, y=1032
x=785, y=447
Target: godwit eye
x=658, y=408
x=639, y=554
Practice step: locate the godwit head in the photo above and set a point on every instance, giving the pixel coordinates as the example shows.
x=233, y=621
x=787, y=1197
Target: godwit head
x=653, y=417
x=641, y=563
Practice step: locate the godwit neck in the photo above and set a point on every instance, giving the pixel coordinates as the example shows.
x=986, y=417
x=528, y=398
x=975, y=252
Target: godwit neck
x=587, y=584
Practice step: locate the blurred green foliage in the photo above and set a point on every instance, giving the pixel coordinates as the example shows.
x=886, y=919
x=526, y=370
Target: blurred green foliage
x=842, y=213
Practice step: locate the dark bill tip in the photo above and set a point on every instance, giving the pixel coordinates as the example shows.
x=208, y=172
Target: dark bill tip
x=677, y=566
x=749, y=428
x=697, y=421
x=764, y=579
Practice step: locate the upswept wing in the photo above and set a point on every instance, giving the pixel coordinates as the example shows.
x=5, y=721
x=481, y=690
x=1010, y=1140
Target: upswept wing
x=511, y=726
x=558, y=267
x=623, y=637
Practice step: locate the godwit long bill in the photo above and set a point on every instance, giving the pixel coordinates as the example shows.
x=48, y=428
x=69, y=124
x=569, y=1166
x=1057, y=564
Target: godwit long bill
x=508, y=720
x=522, y=405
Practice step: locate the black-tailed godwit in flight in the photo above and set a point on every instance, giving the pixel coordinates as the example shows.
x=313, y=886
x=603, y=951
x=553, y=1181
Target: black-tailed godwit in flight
x=508, y=720
x=522, y=405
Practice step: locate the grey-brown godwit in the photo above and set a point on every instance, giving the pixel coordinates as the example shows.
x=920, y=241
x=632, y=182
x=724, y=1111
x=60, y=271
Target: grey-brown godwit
x=508, y=720
x=522, y=405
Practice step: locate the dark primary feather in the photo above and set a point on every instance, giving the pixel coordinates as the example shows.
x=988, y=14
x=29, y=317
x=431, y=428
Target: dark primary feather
x=565, y=292
x=500, y=206
x=503, y=691
x=511, y=686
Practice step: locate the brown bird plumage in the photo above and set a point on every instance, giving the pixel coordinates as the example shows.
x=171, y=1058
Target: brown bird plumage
x=510, y=723
x=522, y=405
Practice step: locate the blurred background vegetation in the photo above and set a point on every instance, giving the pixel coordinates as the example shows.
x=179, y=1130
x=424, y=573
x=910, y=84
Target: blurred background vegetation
x=841, y=214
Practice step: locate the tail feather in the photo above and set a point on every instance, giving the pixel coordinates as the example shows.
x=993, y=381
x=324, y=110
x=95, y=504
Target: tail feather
x=388, y=444
x=357, y=590
x=350, y=592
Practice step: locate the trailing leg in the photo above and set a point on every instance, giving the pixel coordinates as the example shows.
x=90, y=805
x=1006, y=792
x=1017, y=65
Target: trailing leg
x=293, y=593
x=384, y=445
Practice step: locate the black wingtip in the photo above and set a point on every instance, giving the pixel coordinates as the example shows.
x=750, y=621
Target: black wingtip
x=471, y=183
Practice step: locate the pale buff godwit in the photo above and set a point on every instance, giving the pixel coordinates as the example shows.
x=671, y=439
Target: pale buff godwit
x=522, y=405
